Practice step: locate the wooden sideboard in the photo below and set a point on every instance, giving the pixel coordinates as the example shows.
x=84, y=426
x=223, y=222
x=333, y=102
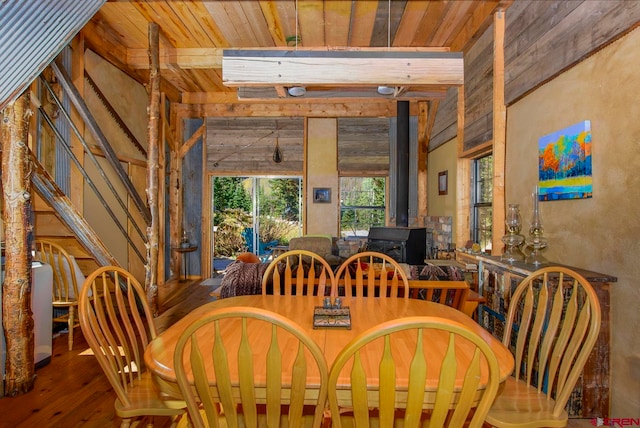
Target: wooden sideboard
x=497, y=280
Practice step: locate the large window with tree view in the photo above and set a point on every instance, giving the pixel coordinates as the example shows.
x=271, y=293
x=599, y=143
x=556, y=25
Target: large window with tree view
x=254, y=213
x=362, y=204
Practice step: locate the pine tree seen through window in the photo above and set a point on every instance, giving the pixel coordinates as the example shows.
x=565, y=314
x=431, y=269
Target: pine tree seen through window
x=362, y=204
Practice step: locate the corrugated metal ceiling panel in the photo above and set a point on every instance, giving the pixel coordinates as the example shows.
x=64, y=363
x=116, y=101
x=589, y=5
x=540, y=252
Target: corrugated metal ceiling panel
x=33, y=33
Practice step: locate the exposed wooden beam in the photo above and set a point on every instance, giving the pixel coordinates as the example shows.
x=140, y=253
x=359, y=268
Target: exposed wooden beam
x=191, y=141
x=180, y=57
x=138, y=58
x=499, y=134
x=463, y=202
x=268, y=109
x=341, y=68
x=281, y=92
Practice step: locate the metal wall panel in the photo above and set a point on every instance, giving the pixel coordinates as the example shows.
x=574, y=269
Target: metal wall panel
x=33, y=33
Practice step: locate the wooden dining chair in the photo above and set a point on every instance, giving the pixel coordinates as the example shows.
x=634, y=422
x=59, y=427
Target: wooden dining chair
x=118, y=325
x=371, y=274
x=552, y=325
x=285, y=386
x=67, y=279
x=420, y=350
x=450, y=293
x=299, y=273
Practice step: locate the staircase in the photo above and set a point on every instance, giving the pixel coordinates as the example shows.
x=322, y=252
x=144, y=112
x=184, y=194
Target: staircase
x=56, y=218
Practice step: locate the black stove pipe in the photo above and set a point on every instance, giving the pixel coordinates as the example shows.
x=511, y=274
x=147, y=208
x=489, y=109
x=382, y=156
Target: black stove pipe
x=402, y=164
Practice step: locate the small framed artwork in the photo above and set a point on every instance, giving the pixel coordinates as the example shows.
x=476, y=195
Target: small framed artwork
x=442, y=183
x=321, y=195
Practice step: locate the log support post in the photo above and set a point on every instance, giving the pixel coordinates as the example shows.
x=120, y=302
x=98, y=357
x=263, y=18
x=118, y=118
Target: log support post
x=151, y=269
x=17, y=317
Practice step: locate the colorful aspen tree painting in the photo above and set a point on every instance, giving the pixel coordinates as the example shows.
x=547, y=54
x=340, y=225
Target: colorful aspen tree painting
x=564, y=163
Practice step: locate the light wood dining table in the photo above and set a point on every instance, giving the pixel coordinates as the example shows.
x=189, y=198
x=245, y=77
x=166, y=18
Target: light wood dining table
x=365, y=312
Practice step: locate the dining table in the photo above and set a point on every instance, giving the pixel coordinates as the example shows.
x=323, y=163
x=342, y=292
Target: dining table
x=365, y=312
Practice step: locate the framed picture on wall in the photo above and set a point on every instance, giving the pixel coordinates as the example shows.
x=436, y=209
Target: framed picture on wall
x=442, y=183
x=321, y=195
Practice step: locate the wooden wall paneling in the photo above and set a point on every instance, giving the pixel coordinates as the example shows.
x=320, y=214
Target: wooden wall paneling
x=246, y=145
x=480, y=131
x=584, y=30
x=527, y=21
x=478, y=79
x=499, y=134
x=444, y=127
x=363, y=145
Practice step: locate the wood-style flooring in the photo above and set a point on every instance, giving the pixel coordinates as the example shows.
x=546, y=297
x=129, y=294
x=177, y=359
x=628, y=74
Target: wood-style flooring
x=72, y=391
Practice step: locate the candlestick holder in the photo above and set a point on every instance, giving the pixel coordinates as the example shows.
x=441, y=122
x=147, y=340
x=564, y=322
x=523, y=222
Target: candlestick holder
x=513, y=240
x=536, y=240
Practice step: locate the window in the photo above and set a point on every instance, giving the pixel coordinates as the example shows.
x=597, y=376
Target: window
x=482, y=200
x=362, y=204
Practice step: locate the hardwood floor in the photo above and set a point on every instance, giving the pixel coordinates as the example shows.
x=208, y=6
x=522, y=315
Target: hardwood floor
x=72, y=391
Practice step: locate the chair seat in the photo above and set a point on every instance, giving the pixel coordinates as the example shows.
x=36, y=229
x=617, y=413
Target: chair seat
x=521, y=405
x=146, y=401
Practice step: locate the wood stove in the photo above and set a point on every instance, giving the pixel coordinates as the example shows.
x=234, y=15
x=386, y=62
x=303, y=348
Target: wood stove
x=403, y=244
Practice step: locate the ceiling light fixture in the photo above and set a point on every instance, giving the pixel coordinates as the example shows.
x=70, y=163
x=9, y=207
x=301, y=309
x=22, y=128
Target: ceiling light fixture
x=297, y=91
x=386, y=90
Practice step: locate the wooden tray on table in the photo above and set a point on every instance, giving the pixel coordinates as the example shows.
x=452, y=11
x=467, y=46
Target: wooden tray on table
x=331, y=317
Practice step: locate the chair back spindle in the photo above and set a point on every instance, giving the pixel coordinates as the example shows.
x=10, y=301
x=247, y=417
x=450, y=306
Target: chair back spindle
x=298, y=273
x=371, y=274
x=246, y=384
x=552, y=324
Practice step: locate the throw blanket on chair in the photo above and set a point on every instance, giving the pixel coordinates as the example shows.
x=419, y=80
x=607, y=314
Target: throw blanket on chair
x=242, y=278
x=441, y=273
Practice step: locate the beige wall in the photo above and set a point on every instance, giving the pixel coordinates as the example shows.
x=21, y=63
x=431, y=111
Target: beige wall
x=442, y=159
x=602, y=233
x=322, y=171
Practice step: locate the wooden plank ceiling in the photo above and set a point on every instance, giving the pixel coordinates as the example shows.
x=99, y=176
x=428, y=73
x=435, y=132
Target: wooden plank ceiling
x=195, y=33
